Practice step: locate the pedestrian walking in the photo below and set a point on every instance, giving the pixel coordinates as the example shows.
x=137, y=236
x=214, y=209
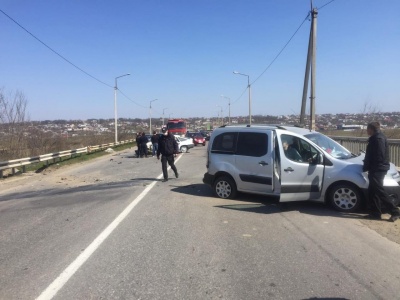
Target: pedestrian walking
x=376, y=162
x=143, y=145
x=168, y=148
x=154, y=142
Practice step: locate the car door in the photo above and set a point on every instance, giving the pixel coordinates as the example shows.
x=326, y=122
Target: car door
x=254, y=163
x=302, y=168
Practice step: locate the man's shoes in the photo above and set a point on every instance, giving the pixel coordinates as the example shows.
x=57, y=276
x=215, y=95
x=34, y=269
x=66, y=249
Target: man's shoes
x=165, y=180
x=394, y=218
x=372, y=217
x=176, y=175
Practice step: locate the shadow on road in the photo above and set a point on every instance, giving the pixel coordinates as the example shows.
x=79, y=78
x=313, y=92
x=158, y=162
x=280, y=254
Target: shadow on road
x=65, y=189
x=266, y=204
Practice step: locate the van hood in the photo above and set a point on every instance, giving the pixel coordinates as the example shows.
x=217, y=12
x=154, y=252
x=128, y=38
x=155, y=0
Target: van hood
x=359, y=160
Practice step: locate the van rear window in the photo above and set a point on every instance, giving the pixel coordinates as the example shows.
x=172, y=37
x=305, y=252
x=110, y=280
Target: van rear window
x=225, y=143
x=252, y=144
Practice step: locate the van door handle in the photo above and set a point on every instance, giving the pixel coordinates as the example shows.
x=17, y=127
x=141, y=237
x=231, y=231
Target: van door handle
x=263, y=163
x=288, y=170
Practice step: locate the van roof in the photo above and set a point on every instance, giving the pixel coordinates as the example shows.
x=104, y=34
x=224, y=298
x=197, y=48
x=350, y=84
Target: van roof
x=292, y=128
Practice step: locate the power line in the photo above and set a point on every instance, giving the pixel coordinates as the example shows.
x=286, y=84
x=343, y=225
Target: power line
x=131, y=99
x=280, y=52
x=325, y=4
x=239, y=96
x=54, y=51
x=276, y=57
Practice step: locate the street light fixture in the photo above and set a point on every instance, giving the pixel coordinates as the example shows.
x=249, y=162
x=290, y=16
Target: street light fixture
x=115, y=107
x=163, y=111
x=150, y=113
x=249, y=86
x=229, y=103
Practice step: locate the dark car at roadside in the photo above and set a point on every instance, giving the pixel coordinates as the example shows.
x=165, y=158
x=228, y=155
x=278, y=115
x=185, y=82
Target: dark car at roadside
x=206, y=134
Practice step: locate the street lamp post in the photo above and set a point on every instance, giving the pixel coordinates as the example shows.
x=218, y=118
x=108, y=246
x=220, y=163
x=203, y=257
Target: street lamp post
x=249, y=86
x=163, y=111
x=229, y=106
x=115, y=107
x=222, y=115
x=150, y=113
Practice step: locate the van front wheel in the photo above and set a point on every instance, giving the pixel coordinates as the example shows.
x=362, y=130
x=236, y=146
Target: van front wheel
x=345, y=197
x=225, y=187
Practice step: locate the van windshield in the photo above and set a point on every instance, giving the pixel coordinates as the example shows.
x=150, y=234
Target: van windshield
x=330, y=146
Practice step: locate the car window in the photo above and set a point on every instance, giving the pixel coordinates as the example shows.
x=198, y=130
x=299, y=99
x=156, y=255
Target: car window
x=252, y=144
x=297, y=149
x=330, y=146
x=225, y=143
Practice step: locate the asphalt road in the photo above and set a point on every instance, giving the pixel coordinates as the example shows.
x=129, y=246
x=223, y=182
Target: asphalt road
x=177, y=241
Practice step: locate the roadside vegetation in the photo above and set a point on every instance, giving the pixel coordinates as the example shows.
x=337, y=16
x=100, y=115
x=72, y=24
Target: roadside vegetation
x=67, y=161
x=390, y=133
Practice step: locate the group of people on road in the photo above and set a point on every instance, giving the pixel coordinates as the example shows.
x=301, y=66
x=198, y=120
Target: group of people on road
x=163, y=145
x=141, y=142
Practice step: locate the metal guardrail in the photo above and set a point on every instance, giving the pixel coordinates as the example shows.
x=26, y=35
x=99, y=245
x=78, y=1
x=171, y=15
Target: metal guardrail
x=357, y=144
x=23, y=162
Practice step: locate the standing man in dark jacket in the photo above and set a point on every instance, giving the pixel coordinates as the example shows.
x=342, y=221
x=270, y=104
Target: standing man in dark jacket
x=376, y=162
x=143, y=145
x=168, y=148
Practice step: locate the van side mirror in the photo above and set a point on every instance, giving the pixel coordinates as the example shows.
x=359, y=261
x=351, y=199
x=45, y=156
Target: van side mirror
x=317, y=159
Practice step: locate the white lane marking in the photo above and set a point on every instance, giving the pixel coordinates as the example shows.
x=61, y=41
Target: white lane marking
x=62, y=279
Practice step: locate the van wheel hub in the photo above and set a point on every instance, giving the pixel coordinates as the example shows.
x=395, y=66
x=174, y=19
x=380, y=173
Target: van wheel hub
x=223, y=189
x=345, y=198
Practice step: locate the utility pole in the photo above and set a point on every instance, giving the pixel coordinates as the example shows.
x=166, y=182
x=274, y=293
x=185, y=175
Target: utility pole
x=313, y=69
x=150, y=114
x=310, y=67
x=163, y=111
x=229, y=104
x=305, y=86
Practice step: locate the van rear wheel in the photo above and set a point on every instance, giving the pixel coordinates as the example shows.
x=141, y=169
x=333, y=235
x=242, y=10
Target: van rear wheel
x=225, y=187
x=345, y=197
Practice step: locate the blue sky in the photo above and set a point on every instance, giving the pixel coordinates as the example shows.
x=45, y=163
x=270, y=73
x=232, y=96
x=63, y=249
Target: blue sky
x=183, y=53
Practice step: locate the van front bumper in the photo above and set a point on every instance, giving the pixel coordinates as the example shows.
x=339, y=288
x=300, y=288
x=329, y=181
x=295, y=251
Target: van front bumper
x=208, y=179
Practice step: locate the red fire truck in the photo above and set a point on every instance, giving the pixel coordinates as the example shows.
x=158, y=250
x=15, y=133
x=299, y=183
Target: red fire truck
x=177, y=127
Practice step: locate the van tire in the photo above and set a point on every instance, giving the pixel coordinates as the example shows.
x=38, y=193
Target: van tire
x=345, y=197
x=224, y=187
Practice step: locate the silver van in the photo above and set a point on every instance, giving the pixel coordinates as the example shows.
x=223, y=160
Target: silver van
x=292, y=163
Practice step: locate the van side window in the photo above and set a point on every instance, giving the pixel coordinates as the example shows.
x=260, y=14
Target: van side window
x=291, y=147
x=252, y=144
x=297, y=149
x=225, y=143
x=308, y=152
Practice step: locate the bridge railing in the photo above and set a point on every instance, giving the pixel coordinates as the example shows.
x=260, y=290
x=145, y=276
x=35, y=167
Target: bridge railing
x=23, y=162
x=357, y=144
